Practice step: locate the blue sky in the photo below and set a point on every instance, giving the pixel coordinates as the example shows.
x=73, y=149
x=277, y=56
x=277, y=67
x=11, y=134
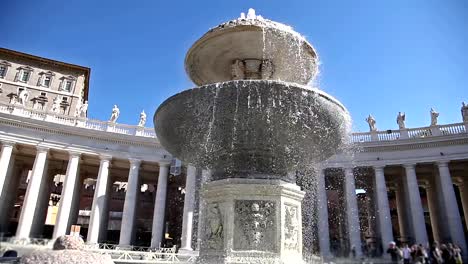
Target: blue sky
x=377, y=57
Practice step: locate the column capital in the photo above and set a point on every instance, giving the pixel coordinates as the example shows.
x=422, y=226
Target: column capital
x=135, y=162
x=378, y=167
x=442, y=163
x=409, y=166
x=104, y=157
x=74, y=153
x=8, y=143
x=164, y=163
x=42, y=148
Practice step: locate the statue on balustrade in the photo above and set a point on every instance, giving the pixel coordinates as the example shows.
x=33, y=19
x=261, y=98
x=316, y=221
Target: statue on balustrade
x=55, y=108
x=23, y=97
x=84, y=109
x=142, y=121
x=434, y=116
x=401, y=120
x=371, y=121
x=115, y=114
x=464, y=112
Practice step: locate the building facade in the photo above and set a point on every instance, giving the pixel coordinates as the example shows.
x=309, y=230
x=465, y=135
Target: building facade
x=114, y=183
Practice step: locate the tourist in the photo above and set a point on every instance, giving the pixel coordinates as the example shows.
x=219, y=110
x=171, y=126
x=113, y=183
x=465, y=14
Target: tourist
x=394, y=251
x=447, y=254
x=353, y=251
x=436, y=254
x=419, y=257
x=406, y=254
x=457, y=254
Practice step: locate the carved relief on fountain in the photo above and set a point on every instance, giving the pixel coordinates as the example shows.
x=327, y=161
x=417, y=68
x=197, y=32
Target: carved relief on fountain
x=291, y=227
x=255, y=225
x=214, y=227
x=251, y=69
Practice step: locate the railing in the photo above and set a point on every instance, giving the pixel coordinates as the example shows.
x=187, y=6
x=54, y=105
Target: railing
x=452, y=129
x=419, y=132
x=132, y=254
x=92, y=124
x=133, y=130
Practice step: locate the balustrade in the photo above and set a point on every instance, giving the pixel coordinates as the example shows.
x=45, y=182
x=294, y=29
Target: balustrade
x=134, y=130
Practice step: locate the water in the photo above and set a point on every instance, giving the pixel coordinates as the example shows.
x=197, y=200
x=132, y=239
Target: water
x=268, y=133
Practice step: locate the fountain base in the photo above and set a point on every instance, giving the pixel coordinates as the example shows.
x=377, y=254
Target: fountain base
x=251, y=221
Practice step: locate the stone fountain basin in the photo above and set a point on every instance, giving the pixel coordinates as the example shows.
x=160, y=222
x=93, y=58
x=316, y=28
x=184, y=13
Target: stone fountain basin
x=209, y=60
x=252, y=128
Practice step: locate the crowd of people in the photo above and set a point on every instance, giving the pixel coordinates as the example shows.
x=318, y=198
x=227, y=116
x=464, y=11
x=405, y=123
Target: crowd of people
x=419, y=254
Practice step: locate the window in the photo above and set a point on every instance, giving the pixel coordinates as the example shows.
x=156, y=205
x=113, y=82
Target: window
x=3, y=70
x=25, y=76
x=64, y=99
x=68, y=85
x=43, y=94
x=46, y=81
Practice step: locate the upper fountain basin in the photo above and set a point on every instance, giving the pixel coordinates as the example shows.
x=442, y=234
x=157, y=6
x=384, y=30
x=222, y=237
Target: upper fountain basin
x=252, y=128
x=210, y=59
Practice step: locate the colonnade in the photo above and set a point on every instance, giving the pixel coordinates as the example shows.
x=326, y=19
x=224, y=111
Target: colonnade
x=98, y=218
x=445, y=215
x=441, y=202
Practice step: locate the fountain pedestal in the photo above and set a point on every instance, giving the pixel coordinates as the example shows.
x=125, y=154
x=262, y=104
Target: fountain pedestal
x=251, y=221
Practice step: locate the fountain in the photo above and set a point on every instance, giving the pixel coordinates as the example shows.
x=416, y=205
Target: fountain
x=252, y=121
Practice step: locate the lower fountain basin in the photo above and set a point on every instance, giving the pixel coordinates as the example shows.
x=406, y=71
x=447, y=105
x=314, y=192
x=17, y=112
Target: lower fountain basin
x=252, y=128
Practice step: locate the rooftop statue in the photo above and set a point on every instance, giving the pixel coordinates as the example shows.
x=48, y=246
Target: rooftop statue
x=401, y=120
x=464, y=112
x=115, y=114
x=371, y=121
x=142, y=121
x=434, y=116
x=84, y=109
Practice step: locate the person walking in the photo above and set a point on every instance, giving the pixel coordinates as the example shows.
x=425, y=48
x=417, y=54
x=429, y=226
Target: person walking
x=406, y=254
x=394, y=251
x=436, y=254
x=457, y=254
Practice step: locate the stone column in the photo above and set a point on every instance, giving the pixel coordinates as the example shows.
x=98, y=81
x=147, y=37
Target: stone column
x=98, y=212
x=352, y=212
x=383, y=209
x=450, y=210
x=189, y=204
x=131, y=196
x=411, y=187
x=205, y=176
x=433, y=212
x=401, y=211
x=72, y=178
x=7, y=159
x=322, y=206
x=463, y=188
x=160, y=206
x=39, y=174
